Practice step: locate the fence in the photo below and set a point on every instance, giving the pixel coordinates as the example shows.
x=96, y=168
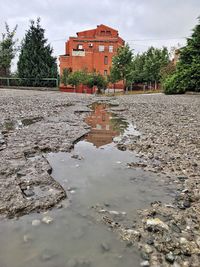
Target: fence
x=28, y=82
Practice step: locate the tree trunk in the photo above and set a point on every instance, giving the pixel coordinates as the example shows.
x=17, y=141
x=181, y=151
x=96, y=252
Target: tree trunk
x=155, y=87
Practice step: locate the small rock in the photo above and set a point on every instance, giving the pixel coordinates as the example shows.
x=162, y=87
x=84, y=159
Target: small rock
x=28, y=193
x=147, y=249
x=186, y=204
x=131, y=235
x=105, y=247
x=182, y=178
x=47, y=219
x=27, y=238
x=36, y=222
x=129, y=244
x=144, y=264
x=175, y=228
x=75, y=156
x=114, y=212
x=150, y=241
x=170, y=257
x=144, y=256
x=156, y=224
x=183, y=240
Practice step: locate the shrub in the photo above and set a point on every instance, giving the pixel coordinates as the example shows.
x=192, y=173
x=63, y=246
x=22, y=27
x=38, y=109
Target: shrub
x=173, y=84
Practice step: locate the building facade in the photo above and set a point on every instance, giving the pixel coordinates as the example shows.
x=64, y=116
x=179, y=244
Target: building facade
x=91, y=50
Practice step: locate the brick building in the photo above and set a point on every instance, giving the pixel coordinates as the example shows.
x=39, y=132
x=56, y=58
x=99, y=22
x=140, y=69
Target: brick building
x=91, y=50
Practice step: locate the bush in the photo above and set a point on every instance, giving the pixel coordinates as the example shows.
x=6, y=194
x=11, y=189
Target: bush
x=174, y=84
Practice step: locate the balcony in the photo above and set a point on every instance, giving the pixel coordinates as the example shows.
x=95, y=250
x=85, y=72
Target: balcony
x=78, y=53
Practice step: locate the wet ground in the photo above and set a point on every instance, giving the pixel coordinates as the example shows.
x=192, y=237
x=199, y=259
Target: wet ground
x=166, y=141
x=98, y=183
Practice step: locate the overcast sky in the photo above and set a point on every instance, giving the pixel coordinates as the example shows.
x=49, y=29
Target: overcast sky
x=136, y=20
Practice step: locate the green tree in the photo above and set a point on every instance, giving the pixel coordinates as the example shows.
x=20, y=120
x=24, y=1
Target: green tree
x=121, y=65
x=155, y=59
x=8, y=50
x=137, y=72
x=35, y=60
x=77, y=77
x=96, y=79
x=167, y=70
x=65, y=75
x=187, y=75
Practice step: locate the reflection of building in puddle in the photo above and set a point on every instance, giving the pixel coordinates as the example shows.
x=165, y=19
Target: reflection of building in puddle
x=103, y=126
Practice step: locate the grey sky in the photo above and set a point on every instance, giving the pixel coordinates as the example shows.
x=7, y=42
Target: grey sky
x=135, y=19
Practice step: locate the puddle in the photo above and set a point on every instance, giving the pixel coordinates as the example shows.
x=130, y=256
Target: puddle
x=94, y=173
x=12, y=125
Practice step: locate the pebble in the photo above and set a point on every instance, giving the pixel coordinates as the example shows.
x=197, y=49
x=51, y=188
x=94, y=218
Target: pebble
x=27, y=238
x=148, y=249
x=145, y=263
x=47, y=219
x=29, y=193
x=186, y=204
x=170, y=257
x=114, y=212
x=36, y=222
x=105, y=247
x=156, y=224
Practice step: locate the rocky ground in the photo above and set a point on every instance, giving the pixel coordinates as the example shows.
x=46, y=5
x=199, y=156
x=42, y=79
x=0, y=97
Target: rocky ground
x=33, y=123
x=169, y=144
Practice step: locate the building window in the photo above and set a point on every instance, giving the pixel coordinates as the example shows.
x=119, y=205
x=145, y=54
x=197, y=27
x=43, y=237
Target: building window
x=110, y=48
x=80, y=47
x=106, y=60
x=101, y=48
x=105, y=72
x=103, y=32
x=108, y=32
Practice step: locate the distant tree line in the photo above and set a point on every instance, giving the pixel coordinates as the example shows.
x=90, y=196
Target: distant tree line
x=154, y=66
x=141, y=68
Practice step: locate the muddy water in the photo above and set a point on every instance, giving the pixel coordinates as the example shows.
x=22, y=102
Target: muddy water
x=94, y=174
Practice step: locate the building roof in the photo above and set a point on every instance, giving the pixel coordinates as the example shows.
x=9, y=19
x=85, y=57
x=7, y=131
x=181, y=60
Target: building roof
x=97, y=31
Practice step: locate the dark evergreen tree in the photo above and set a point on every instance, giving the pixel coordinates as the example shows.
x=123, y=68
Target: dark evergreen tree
x=35, y=60
x=8, y=50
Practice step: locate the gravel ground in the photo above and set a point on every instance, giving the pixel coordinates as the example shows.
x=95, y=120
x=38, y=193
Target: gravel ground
x=167, y=234
x=33, y=123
